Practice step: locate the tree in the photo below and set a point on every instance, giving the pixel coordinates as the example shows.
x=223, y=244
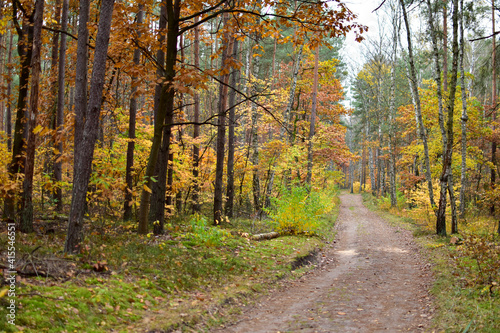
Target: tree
x=313, y=118
x=24, y=49
x=416, y=101
x=448, y=152
x=221, y=125
x=231, y=136
x=85, y=152
x=27, y=200
x=60, y=104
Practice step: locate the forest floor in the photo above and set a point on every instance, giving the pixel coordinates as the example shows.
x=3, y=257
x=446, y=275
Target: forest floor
x=372, y=279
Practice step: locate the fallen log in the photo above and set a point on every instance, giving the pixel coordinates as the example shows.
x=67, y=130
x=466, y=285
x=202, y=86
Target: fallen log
x=268, y=235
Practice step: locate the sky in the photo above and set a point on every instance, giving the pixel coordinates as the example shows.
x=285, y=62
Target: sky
x=352, y=52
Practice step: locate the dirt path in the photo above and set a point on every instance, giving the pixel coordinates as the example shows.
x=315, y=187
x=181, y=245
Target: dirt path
x=374, y=280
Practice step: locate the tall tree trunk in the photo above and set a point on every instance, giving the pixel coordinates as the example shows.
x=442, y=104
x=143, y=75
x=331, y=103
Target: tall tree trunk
x=60, y=105
x=392, y=110
x=230, y=138
x=371, y=162
x=158, y=188
x=291, y=95
x=255, y=142
x=445, y=45
x=27, y=199
x=221, y=127
x=8, y=114
x=81, y=74
x=444, y=183
x=313, y=119
x=418, y=110
x=196, y=127
x=464, y=118
x=446, y=174
x=165, y=110
x=83, y=160
x=127, y=205
x=24, y=49
x=493, y=101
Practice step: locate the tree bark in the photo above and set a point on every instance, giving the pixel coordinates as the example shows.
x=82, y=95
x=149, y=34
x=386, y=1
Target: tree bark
x=493, y=101
x=81, y=74
x=60, y=106
x=127, y=205
x=255, y=142
x=418, y=110
x=221, y=127
x=27, y=198
x=196, y=127
x=313, y=119
x=446, y=175
x=392, y=111
x=158, y=188
x=231, y=138
x=24, y=49
x=8, y=114
x=165, y=110
x=83, y=160
x=464, y=118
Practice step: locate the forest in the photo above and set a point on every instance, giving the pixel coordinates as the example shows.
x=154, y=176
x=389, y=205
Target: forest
x=182, y=150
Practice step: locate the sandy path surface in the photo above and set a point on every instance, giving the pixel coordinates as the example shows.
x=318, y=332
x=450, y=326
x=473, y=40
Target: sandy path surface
x=372, y=280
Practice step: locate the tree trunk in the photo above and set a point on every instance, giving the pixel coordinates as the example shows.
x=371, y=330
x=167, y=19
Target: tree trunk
x=291, y=96
x=24, y=49
x=165, y=110
x=255, y=142
x=392, y=111
x=8, y=114
x=196, y=127
x=127, y=205
x=371, y=162
x=27, y=199
x=446, y=172
x=464, y=118
x=313, y=119
x=418, y=110
x=231, y=139
x=221, y=128
x=158, y=188
x=81, y=74
x=83, y=160
x=493, y=101
x=437, y=77
x=60, y=106
x=445, y=45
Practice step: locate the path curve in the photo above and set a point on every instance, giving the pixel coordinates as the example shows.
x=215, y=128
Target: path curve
x=374, y=281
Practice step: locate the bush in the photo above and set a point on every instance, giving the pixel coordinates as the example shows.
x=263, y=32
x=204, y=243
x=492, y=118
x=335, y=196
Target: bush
x=478, y=261
x=297, y=210
x=204, y=234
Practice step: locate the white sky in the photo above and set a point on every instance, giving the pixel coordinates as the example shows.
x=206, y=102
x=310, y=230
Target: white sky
x=352, y=52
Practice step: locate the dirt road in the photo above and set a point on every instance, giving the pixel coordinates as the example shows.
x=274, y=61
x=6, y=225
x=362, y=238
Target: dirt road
x=374, y=280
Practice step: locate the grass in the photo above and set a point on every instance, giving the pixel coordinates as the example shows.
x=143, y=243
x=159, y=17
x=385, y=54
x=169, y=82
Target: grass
x=125, y=282
x=463, y=303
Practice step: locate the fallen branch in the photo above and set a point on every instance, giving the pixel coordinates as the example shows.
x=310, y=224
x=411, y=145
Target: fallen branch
x=268, y=235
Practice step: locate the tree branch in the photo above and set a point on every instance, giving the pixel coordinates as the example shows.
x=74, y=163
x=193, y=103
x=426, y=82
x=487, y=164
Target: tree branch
x=485, y=37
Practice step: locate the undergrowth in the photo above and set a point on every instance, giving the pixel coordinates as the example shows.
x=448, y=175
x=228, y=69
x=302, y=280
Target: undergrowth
x=298, y=210
x=195, y=275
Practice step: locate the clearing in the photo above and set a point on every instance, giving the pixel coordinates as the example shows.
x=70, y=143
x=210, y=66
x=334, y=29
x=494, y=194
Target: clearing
x=372, y=280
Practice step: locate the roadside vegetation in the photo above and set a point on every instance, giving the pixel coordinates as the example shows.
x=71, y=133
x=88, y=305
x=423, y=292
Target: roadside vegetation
x=195, y=274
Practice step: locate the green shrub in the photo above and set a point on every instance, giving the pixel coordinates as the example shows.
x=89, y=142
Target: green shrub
x=297, y=211
x=204, y=234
